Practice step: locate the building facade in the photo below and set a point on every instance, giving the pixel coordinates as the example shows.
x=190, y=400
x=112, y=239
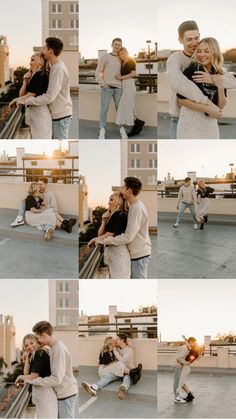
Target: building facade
x=4, y=62
x=63, y=302
x=7, y=339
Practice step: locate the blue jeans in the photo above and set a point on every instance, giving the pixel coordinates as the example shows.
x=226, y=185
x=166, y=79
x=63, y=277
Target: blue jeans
x=109, y=378
x=47, y=226
x=139, y=268
x=66, y=408
x=107, y=94
x=177, y=373
x=60, y=128
x=183, y=207
x=22, y=209
x=173, y=127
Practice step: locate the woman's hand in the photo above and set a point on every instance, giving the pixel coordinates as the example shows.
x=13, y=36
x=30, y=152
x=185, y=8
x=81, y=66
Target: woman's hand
x=106, y=216
x=91, y=243
x=119, y=77
x=99, y=240
x=13, y=102
x=202, y=77
x=29, y=380
x=20, y=380
x=27, y=76
x=20, y=101
x=217, y=78
x=214, y=111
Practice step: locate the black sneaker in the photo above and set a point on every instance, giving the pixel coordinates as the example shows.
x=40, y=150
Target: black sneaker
x=205, y=218
x=137, y=128
x=189, y=397
x=67, y=225
x=135, y=373
x=201, y=226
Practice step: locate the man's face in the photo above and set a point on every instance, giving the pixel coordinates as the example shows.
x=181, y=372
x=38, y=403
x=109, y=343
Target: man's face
x=124, y=191
x=116, y=46
x=42, y=186
x=118, y=341
x=42, y=339
x=188, y=183
x=46, y=52
x=190, y=40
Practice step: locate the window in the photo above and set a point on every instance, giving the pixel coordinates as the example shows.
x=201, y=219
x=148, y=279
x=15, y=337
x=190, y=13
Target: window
x=152, y=148
x=135, y=148
x=56, y=23
x=63, y=303
x=56, y=8
x=74, y=23
x=135, y=164
x=34, y=163
x=74, y=8
x=74, y=40
x=127, y=320
x=152, y=180
x=61, y=162
x=152, y=164
x=63, y=319
x=64, y=287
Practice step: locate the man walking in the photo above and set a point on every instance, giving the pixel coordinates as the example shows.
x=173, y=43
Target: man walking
x=186, y=199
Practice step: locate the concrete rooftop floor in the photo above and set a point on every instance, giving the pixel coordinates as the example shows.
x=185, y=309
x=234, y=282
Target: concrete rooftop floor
x=214, y=396
x=140, y=402
x=189, y=253
x=25, y=254
x=227, y=127
x=89, y=130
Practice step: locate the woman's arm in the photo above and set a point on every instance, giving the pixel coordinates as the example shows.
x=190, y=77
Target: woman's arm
x=212, y=110
x=131, y=75
x=221, y=97
x=25, y=377
x=99, y=239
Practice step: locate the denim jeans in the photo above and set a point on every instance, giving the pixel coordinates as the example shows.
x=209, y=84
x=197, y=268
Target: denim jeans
x=173, y=127
x=109, y=378
x=22, y=209
x=177, y=373
x=47, y=226
x=66, y=408
x=107, y=94
x=183, y=207
x=139, y=268
x=60, y=128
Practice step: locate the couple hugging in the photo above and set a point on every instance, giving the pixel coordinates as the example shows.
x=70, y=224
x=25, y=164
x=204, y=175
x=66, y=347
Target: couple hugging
x=39, y=210
x=115, y=74
x=48, y=368
x=198, y=83
x=116, y=362
x=46, y=94
x=188, y=353
x=124, y=233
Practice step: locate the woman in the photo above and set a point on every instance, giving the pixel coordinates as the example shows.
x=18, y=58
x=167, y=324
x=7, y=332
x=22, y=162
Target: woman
x=35, y=83
x=203, y=193
x=37, y=364
x=114, y=223
x=125, y=113
x=198, y=120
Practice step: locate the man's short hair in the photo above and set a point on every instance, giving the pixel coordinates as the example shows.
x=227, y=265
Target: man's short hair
x=44, y=180
x=55, y=44
x=192, y=339
x=122, y=336
x=43, y=327
x=116, y=39
x=134, y=184
x=188, y=25
x=187, y=179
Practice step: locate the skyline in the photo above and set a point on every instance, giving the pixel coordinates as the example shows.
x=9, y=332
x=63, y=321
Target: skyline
x=36, y=146
x=206, y=157
x=175, y=13
x=196, y=308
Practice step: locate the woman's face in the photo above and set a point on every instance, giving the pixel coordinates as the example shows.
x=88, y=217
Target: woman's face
x=123, y=55
x=35, y=60
x=113, y=202
x=201, y=184
x=203, y=54
x=30, y=345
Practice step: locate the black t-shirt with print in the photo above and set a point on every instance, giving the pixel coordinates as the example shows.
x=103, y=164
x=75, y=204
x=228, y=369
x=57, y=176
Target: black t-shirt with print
x=105, y=358
x=117, y=223
x=204, y=193
x=31, y=202
x=40, y=363
x=209, y=90
x=127, y=67
x=38, y=84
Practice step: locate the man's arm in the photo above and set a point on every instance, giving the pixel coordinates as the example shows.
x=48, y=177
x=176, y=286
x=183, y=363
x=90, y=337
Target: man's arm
x=180, y=194
x=56, y=80
x=58, y=369
x=100, y=70
x=182, y=353
x=133, y=226
x=181, y=84
x=229, y=81
x=53, y=202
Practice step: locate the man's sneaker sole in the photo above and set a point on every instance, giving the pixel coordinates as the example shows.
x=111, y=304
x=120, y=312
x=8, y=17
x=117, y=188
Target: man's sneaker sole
x=48, y=235
x=122, y=392
x=21, y=223
x=88, y=388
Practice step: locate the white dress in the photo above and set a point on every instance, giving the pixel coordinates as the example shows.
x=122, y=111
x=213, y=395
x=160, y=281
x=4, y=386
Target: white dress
x=126, y=113
x=118, y=260
x=47, y=216
x=116, y=368
x=45, y=401
x=39, y=119
x=196, y=125
x=202, y=208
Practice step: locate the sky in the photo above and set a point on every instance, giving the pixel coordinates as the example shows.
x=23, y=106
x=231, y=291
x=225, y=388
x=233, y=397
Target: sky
x=27, y=301
x=20, y=21
x=196, y=307
x=99, y=162
x=36, y=146
x=101, y=21
x=206, y=157
x=96, y=296
x=214, y=18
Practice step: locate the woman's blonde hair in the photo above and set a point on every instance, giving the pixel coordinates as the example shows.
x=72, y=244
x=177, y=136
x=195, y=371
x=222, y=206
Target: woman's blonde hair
x=202, y=181
x=30, y=336
x=123, y=205
x=214, y=49
x=33, y=189
x=107, y=344
x=45, y=66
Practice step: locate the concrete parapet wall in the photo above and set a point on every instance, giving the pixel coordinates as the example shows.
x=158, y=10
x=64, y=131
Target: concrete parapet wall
x=89, y=106
x=219, y=206
x=66, y=195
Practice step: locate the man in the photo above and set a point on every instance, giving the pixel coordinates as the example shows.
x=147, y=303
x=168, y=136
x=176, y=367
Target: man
x=189, y=37
x=127, y=357
x=49, y=201
x=179, y=362
x=136, y=235
x=58, y=94
x=186, y=199
x=61, y=378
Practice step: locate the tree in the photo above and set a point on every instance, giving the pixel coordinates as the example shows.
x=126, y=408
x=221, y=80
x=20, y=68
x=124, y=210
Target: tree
x=2, y=364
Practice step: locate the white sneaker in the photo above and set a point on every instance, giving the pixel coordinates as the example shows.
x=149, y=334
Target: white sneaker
x=178, y=399
x=123, y=134
x=18, y=221
x=176, y=225
x=195, y=227
x=102, y=134
x=49, y=233
x=89, y=388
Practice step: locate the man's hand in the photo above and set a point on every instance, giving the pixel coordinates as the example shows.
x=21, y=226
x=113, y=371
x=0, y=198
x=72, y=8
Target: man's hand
x=202, y=77
x=91, y=243
x=119, y=77
x=29, y=380
x=178, y=207
x=20, y=380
